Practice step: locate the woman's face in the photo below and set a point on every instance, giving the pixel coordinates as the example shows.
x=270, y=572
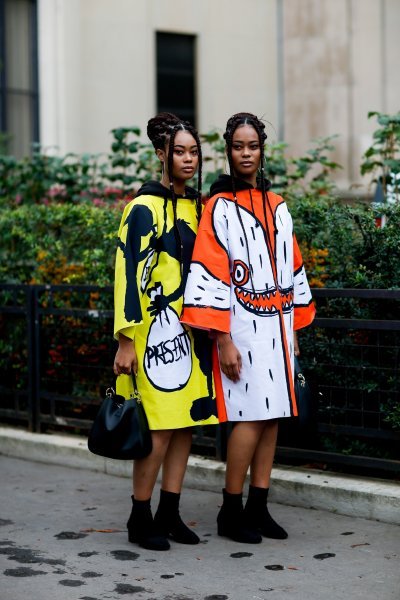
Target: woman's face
x=246, y=153
x=186, y=156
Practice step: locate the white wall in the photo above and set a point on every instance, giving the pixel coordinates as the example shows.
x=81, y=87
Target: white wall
x=310, y=67
x=97, y=64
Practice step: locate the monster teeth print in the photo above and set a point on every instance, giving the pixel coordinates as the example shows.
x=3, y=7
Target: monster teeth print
x=261, y=303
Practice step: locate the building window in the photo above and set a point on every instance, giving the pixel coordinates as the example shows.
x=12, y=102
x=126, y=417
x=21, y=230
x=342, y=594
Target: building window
x=19, y=114
x=176, y=85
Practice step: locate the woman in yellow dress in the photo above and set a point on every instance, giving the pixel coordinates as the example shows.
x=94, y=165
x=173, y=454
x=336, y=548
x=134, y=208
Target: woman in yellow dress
x=171, y=362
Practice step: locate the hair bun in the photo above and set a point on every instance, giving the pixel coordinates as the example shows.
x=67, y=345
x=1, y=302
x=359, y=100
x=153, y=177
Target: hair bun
x=159, y=128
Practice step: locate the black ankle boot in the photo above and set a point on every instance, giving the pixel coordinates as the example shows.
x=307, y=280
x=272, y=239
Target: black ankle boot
x=168, y=522
x=231, y=522
x=141, y=527
x=257, y=515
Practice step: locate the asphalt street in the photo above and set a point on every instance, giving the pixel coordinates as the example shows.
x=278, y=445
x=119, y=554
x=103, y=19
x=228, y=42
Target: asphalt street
x=63, y=536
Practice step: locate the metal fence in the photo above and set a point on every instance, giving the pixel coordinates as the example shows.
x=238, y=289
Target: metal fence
x=56, y=359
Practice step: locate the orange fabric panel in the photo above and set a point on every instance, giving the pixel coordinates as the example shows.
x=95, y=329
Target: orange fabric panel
x=222, y=416
x=207, y=245
x=304, y=316
x=206, y=318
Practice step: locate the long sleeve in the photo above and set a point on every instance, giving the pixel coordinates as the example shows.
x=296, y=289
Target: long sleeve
x=207, y=292
x=304, y=309
x=136, y=246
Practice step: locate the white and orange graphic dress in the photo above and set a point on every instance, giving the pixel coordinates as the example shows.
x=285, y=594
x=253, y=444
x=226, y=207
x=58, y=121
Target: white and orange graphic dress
x=247, y=278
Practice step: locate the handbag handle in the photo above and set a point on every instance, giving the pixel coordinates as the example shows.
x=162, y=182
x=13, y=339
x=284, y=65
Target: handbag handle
x=136, y=393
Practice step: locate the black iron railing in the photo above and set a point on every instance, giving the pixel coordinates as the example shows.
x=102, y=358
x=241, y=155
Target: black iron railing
x=56, y=355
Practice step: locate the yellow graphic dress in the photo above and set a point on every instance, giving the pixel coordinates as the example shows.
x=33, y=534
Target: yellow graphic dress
x=174, y=362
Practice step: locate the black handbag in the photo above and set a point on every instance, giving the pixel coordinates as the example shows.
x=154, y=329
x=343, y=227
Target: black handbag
x=305, y=403
x=120, y=429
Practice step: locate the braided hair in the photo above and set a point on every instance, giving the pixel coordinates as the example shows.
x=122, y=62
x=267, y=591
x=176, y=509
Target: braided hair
x=238, y=120
x=162, y=130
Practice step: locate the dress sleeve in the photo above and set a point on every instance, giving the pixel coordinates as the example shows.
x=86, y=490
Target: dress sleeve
x=136, y=247
x=304, y=309
x=207, y=292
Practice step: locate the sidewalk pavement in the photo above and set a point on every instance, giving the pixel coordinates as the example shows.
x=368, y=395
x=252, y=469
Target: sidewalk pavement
x=63, y=535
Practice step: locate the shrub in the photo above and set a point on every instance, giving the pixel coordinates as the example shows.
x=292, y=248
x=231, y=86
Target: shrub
x=59, y=243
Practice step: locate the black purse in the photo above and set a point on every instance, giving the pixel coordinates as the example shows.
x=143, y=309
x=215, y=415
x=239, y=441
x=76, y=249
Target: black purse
x=120, y=429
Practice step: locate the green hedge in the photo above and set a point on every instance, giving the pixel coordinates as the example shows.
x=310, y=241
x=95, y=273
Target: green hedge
x=60, y=243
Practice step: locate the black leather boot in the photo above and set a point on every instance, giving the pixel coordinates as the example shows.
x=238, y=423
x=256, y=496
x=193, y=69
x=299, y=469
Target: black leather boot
x=168, y=522
x=257, y=515
x=141, y=529
x=231, y=521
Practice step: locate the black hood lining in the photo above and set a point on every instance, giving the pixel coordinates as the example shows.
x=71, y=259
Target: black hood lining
x=155, y=188
x=224, y=184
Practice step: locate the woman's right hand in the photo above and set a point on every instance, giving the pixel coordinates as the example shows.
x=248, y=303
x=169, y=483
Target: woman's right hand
x=125, y=358
x=230, y=359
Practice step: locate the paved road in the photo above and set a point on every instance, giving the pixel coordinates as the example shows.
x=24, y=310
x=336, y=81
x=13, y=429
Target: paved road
x=62, y=536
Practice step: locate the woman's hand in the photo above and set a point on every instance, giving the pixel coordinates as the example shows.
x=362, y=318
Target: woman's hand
x=229, y=357
x=125, y=358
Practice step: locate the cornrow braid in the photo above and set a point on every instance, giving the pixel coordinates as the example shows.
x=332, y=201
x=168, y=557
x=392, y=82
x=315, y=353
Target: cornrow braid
x=233, y=123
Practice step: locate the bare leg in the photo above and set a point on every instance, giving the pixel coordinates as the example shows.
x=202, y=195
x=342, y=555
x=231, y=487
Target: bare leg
x=167, y=518
x=261, y=464
x=242, y=444
x=140, y=524
x=145, y=470
x=256, y=509
x=175, y=461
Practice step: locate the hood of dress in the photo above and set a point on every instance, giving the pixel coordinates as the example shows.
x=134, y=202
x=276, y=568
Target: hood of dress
x=224, y=184
x=155, y=188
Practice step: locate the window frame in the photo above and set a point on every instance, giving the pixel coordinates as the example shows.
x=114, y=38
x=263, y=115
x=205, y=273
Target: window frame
x=193, y=73
x=33, y=92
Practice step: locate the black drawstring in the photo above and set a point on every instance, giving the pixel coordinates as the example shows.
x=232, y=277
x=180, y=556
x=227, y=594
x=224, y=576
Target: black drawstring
x=264, y=200
x=246, y=240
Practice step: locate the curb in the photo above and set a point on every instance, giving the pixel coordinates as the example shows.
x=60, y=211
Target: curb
x=374, y=499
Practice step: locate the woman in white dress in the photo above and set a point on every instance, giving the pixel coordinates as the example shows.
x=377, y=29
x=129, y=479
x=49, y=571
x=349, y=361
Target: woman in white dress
x=247, y=284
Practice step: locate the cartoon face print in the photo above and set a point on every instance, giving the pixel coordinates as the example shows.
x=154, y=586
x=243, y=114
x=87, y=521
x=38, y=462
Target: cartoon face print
x=251, y=270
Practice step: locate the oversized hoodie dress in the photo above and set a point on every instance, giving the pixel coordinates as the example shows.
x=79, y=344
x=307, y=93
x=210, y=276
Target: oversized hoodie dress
x=247, y=278
x=153, y=258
